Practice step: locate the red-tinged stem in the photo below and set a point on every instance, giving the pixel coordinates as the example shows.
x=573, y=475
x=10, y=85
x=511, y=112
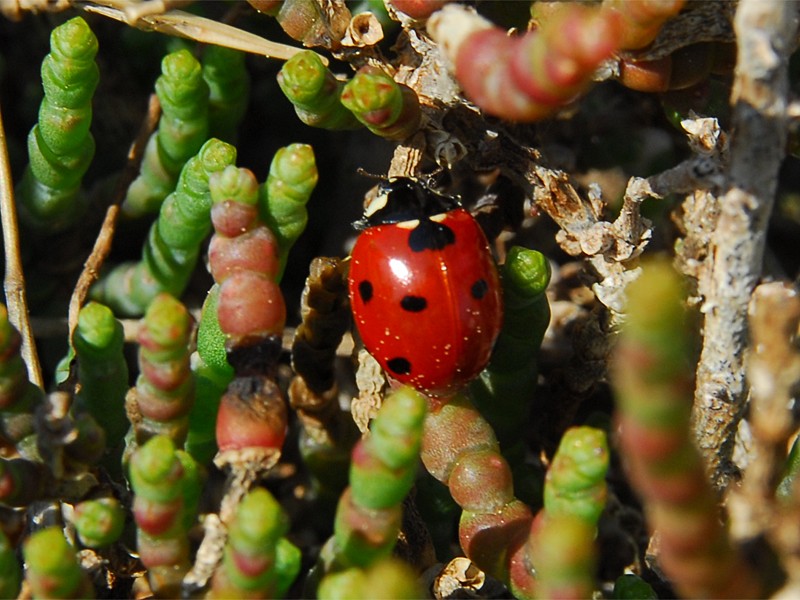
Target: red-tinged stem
x=459, y=449
x=417, y=9
x=562, y=548
x=528, y=77
x=251, y=422
x=653, y=380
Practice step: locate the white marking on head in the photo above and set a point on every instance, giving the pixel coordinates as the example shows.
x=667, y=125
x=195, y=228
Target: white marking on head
x=408, y=224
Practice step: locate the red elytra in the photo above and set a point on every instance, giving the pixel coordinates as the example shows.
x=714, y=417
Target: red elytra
x=424, y=289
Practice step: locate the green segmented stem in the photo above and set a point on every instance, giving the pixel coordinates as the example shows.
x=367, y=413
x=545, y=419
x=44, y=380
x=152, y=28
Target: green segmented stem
x=52, y=567
x=381, y=475
x=283, y=197
x=102, y=369
x=575, y=483
x=182, y=129
x=173, y=243
x=315, y=92
x=258, y=560
x=165, y=387
x=562, y=550
x=10, y=570
x=228, y=82
x=212, y=374
x=387, y=108
x=99, y=522
x=653, y=378
x=60, y=146
x=164, y=493
x=18, y=396
x=504, y=389
x=393, y=578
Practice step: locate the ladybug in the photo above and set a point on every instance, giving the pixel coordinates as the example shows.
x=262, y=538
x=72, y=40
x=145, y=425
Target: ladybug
x=424, y=287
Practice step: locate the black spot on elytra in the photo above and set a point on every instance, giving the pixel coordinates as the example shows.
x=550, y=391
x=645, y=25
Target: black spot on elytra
x=479, y=289
x=430, y=235
x=399, y=366
x=413, y=303
x=365, y=291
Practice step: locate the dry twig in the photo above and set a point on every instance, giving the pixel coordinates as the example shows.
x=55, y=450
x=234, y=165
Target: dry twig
x=765, y=32
x=102, y=245
x=14, y=282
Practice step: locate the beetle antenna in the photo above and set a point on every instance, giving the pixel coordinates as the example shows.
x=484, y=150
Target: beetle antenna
x=364, y=173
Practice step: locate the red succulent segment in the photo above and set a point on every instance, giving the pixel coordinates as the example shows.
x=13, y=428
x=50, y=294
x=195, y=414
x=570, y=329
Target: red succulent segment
x=156, y=518
x=527, y=77
x=488, y=538
x=164, y=391
x=417, y=9
x=475, y=475
x=460, y=449
x=165, y=486
x=364, y=534
x=231, y=217
x=255, y=250
x=250, y=305
x=244, y=259
x=387, y=108
x=18, y=396
x=451, y=430
x=252, y=416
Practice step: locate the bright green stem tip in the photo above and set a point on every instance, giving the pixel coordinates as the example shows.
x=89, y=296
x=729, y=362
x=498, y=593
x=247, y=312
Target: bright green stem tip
x=656, y=317
x=260, y=518
x=167, y=321
x=575, y=483
x=586, y=450
x=97, y=326
x=155, y=461
x=74, y=39
x=51, y=559
x=527, y=271
x=234, y=183
x=99, y=522
x=397, y=428
x=181, y=66
x=294, y=163
x=369, y=92
x=660, y=286
x=302, y=77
